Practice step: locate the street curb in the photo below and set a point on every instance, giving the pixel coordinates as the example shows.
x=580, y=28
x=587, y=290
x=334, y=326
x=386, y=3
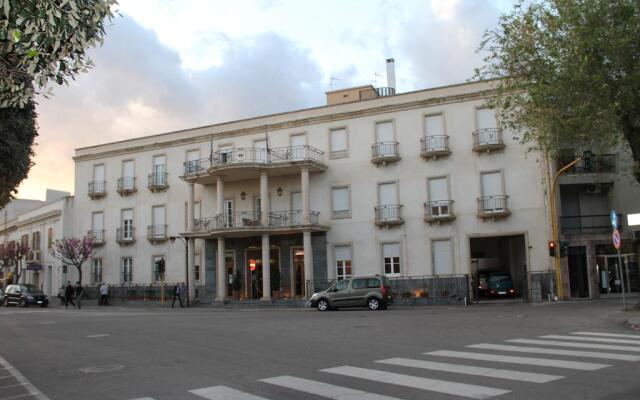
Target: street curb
x=633, y=324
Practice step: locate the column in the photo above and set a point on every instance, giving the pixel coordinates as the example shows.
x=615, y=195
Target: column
x=308, y=263
x=192, y=269
x=264, y=198
x=191, y=248
x=304, y=172
x=266, y=269
x=219, y=195
x=221, y=282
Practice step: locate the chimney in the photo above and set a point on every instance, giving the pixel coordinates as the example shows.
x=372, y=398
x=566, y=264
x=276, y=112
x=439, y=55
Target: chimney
x=391, y=74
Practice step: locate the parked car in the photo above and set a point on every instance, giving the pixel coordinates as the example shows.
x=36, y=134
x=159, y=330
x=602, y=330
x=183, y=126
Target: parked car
x=501, y=285
x=1, y=297
x=372, y=291
x=24, y=296
x=483, y=283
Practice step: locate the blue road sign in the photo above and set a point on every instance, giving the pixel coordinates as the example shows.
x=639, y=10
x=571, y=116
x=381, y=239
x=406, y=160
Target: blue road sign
x=614, y=219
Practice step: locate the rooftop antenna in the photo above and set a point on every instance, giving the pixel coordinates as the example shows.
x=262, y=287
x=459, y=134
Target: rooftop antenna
x=375, y=78
x=331, y=79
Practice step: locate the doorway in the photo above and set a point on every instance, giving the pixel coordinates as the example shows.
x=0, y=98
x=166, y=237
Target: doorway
x=253, y=283
x=297, y=272
x=578, y=273
x=610, y=275
x=230, y=266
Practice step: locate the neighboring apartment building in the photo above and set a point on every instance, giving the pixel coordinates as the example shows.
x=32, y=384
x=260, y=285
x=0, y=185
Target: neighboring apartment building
x=416, y=184
x=38, y=228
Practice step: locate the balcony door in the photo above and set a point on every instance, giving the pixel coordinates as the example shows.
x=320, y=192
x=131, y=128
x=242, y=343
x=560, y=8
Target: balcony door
x=385, y=139
x=158, y=217
x=434, y=132
x=297, y=147
x=98, y=172
x=296, y=208
x=159, y=170
x=127, y=174
x=387, y=194
x=486, y=121
x=97, y=226
x=438, y=197
x=192, y=161
x=227, y=207
x=492, y=191
x=260, y=148
x=127, y=224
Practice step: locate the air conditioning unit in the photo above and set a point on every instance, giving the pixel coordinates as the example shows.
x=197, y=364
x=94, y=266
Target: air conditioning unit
x=636, y=235
x=594, y=188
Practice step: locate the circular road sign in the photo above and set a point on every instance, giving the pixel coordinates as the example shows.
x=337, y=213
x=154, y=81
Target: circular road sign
x=616, y=239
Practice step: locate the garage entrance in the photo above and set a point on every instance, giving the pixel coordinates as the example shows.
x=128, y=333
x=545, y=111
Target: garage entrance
x=499, y=267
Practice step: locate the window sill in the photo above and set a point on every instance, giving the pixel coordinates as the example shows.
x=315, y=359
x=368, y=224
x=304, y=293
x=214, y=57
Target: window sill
x=339, y=154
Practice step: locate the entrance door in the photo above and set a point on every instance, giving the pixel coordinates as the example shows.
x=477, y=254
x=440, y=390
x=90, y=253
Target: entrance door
x=578, y=274
x=229, y=265
x=254, y=278
x=297, y=272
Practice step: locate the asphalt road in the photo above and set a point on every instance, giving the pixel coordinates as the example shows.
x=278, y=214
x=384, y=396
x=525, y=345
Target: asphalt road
x=161, y=354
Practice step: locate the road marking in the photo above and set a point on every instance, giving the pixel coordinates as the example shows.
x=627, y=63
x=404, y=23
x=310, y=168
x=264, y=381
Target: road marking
x=607, y=334
x=33, y=391
x=11, y=385
x=592, y=339
x=224, y=393
x=97, y=335
x=144, y=398
x=573, y=344
x=324, y=389
x=20, y=396
x=540, y=362
x=472, y=370
x=560, y=352
x=416, y=382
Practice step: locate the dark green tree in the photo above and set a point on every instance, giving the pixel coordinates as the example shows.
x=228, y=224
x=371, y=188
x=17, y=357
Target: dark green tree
x=568, y=74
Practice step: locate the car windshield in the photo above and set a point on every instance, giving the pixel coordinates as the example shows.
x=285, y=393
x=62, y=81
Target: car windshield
x=500, y=281
x=30, y=289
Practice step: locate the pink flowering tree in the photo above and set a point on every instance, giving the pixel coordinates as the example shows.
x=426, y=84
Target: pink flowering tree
x=75, y=252
x=13, y=253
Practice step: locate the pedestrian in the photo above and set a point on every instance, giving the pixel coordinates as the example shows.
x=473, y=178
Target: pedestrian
x=61, y=295
x=79, y=293
x=104, y=294
x=68, y=295
x=177, y=294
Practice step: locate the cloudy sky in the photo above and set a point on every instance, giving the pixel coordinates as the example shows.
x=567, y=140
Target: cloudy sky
x=168, y=65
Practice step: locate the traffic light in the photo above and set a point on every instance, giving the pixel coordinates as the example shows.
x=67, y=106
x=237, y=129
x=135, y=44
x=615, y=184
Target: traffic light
x=161, y=266
x=564, y=248
x=552, y=248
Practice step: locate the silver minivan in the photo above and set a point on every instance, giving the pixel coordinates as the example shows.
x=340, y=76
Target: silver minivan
x=372, y=291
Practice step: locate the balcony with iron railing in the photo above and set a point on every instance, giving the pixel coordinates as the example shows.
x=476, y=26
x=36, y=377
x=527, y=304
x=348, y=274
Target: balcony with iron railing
x=493, y=207
x=97, y=189
x=384, y=152
x=587, y=224
x=247, y=223
x=245, y=163
x=157, y=181
x=97, y=236
x=434, y=146
x=157, y=233
x=388, y=215
x=126, y=185
x=487, y=139
x=589, y=163
x=438, y=211
x=125, y=235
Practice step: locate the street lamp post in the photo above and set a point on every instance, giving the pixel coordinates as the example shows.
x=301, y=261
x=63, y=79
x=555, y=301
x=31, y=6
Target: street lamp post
x=172, y=239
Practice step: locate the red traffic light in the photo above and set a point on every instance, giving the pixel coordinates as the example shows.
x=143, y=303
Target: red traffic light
x=552, y=244
x=552, y=248
x=252, y=265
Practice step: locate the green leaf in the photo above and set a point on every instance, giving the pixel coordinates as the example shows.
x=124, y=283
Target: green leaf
x=16, y=35
x=32, y=53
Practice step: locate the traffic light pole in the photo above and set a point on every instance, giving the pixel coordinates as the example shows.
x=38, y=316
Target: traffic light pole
x=554, y=223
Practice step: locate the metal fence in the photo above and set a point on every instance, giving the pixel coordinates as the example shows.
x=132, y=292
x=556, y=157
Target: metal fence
x=543, y=285
x=131, y=294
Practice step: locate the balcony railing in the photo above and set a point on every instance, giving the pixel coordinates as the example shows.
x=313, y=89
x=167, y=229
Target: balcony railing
x=487, y=139
x=253, y=220
x=441, y=210
x=157, y=181
x=125, y=236
x=97, y=235
x=126, y=185
x=239, y=156
x=157, y=233
x=383, y=152
x=97, y=189
x=390, y=214
x=590, y=164
x=493, y=206
x=434, y=146
x=585, y=224
x=340, y=213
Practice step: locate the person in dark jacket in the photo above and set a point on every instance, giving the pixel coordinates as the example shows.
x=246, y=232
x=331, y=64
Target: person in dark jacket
x=177, y=294
x=68, y=295
x=79, y=292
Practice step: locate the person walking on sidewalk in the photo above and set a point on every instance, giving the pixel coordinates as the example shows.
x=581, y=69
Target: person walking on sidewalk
x=104, y=294
x=177, y=294
x=68, y=295
x=79, y=293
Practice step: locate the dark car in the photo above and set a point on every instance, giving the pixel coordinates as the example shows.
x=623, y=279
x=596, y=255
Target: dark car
x=24, y=296
x=501, y=285
x=483, y=284
x=373, y=292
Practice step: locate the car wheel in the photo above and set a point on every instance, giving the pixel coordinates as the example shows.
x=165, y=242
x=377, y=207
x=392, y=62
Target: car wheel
x=323, y=305
x=373, y=304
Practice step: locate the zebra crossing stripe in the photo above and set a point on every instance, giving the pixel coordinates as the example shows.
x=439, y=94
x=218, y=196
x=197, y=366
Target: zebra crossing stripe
x=416, y=382
x=574, y=344
x=620, y=335
x=592, y=339
x=323, y=389
x=224, y=393
x=472, y=370
x=144, y=398
x=560, y=352
x=540, y=362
